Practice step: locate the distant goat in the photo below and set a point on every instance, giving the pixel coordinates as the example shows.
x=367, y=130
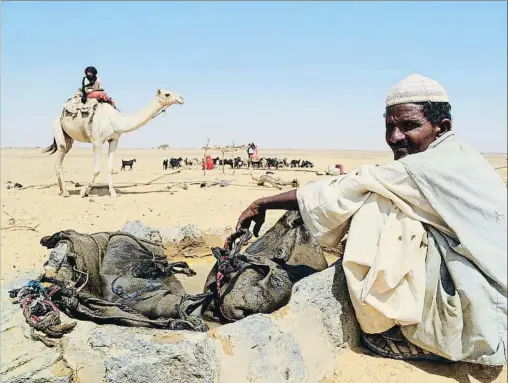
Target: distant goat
x=295, y=163
x=239, y=163
x=272, y=163
x=301, y=164
x=127, y=163
x=175, y=162
x=191, y=162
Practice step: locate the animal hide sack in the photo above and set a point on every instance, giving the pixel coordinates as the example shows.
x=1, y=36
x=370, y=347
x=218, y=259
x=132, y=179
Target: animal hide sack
x=260, y=280
x=118, y=278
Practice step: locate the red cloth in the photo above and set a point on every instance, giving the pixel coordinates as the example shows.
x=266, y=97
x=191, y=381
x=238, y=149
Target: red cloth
x=209, y=163
x=101, y=95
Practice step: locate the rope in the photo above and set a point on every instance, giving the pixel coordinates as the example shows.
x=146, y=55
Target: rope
x=162, y=111
x=40, y=312
x=188, y=322
x=86, y=278
x=148, y=270
x=228, y=256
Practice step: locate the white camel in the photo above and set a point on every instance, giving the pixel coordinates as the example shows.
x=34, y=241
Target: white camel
x=97, y=123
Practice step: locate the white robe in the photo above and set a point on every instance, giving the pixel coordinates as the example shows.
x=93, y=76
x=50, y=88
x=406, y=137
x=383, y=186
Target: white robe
x=426, y=247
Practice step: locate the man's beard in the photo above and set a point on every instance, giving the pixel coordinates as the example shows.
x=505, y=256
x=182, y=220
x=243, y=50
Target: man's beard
x=91, y=78
x=400, y=149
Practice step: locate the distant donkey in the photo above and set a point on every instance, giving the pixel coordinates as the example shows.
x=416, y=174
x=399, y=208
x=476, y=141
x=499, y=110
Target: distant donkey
x=127, y=163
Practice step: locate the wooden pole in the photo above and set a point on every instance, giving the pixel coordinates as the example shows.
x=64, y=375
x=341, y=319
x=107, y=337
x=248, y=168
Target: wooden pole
x=234, y=156
x=204, y=157
x=223, y=161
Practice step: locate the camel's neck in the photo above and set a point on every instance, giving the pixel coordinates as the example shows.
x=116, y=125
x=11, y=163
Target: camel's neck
x=128, y=123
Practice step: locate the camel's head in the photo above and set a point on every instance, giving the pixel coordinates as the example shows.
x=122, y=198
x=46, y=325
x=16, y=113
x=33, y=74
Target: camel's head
x=167, y=98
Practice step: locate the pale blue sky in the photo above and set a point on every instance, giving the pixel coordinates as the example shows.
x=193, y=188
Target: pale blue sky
x=281, y=74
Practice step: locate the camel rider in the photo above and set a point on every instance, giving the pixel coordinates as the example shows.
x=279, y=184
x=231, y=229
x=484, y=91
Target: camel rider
x=250, y=150
x=91, y=87
x=250, y=153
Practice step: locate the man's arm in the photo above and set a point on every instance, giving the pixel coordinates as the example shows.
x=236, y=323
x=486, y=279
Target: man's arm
x=256, y=212
x=283, y=201
x=98, y=84
x=327, y=205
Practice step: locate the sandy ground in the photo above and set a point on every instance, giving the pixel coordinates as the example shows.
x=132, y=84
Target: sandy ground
x=215, y=210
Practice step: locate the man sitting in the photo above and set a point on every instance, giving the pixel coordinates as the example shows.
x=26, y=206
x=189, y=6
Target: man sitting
x=426, y=253
x=91, y=87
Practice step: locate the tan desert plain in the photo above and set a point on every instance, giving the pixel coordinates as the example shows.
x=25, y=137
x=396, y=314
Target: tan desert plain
x=28, y=214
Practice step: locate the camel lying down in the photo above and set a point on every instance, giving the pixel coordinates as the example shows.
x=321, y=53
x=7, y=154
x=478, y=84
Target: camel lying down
x=260, y=280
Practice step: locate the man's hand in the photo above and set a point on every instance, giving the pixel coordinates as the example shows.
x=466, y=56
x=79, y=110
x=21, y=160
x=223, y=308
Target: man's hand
x=254, y=213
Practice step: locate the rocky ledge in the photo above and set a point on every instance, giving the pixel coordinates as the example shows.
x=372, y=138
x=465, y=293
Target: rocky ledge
x=298, y=343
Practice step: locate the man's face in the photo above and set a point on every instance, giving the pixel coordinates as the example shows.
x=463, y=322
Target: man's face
x=407, y=130
x=89, y=75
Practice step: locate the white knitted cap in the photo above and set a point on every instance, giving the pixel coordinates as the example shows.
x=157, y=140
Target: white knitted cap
x=416, y=88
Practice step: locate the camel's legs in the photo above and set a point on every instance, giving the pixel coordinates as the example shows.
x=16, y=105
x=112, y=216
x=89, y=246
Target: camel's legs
x=113, y=144
x=63, y=145
x=60, y=154
x=97, y=169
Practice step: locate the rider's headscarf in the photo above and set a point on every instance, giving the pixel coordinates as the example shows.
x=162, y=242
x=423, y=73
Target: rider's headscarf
x=90, y=80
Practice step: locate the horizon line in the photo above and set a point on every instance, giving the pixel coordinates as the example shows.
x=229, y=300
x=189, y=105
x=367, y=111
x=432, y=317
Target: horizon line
x=267, y=149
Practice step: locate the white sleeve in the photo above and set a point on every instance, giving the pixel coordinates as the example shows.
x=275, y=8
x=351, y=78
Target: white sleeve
x=328, y=205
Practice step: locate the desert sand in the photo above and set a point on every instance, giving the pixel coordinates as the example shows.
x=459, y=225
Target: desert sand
x=29, y=214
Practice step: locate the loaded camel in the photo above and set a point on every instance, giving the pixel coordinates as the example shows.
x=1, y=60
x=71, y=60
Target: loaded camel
x=96, y=123
x=276, y=182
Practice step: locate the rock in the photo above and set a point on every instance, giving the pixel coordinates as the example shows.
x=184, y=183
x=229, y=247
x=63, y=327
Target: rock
x=187, y=241
x=142, y=231
x=169, y=235
x=85, y=362
x=184, y=240
x=185, y=236
x=180, y=234
x=278, y=347
x=298, y=343
x=23, y=359
x=145, y=355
